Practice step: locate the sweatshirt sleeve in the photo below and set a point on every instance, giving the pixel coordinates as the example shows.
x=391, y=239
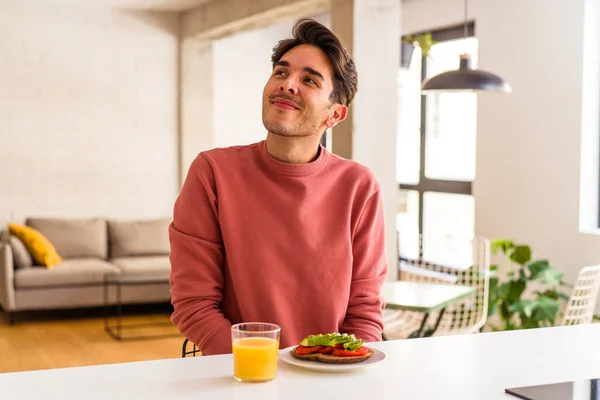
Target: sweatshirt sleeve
x=197, y=257
x=364, y=316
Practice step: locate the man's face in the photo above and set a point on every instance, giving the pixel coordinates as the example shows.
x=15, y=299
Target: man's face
x=296, y=98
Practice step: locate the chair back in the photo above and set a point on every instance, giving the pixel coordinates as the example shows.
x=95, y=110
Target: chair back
x=582, y=301
x=470, y=268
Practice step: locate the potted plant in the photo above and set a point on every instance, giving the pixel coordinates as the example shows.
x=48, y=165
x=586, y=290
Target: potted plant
x=409, y=42
x=505, y=298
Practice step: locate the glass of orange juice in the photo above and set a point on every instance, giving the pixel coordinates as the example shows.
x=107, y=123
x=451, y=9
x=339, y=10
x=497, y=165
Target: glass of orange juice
x=255, y=348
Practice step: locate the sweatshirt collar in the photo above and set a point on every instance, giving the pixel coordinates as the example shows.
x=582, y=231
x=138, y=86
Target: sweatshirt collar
x=293, y=169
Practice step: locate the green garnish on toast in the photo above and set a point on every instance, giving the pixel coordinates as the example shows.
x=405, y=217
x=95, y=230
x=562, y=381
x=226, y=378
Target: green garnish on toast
x=350, y=342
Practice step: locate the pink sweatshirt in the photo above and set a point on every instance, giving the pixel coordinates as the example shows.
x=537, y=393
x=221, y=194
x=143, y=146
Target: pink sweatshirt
x=298, y=245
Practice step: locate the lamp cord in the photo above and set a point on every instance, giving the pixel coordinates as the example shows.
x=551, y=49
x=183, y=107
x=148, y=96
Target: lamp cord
x=465, y=23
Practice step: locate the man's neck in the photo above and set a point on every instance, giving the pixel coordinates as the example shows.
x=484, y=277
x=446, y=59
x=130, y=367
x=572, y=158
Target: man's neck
x=293, y=150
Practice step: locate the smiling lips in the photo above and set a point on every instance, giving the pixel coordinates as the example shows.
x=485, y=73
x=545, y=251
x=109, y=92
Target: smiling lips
x=284, y=104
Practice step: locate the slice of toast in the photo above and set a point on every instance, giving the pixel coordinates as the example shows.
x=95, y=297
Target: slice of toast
x=306, y=357
x=329, y=359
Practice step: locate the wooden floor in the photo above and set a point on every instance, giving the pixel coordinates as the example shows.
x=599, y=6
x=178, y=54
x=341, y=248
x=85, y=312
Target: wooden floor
x=68, y=339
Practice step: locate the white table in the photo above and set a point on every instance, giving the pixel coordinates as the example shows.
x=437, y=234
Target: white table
x=464, y=367
x=423, y=297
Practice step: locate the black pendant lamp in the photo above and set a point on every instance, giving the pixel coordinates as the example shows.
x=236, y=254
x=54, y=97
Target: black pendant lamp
x=465, y=78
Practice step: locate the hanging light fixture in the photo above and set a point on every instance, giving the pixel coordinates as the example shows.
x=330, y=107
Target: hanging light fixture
x=465, y=78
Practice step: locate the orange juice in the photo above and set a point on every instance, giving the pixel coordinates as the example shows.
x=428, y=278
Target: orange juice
x=255, y=358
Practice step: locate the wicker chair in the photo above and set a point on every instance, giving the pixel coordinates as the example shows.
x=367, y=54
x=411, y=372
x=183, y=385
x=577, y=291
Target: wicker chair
x=466, y=316
x=582, y=301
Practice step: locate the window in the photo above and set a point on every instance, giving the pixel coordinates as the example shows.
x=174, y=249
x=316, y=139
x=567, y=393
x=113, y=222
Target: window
x=436, y=147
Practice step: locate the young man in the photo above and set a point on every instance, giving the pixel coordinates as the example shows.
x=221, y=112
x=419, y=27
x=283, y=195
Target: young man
x=283, y=231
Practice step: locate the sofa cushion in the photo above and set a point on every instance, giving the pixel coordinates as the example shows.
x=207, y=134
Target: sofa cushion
x=21, y=256
x=138, y=238
x=148, y=265
x=41, y=249
x=74, y=238
x=74, y=271
x=4, y=236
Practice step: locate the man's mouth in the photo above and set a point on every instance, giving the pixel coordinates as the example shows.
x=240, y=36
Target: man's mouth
x=284, y=104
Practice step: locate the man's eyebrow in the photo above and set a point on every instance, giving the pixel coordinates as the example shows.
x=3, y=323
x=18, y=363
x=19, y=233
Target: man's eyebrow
x=314, y=72
x=282, y=64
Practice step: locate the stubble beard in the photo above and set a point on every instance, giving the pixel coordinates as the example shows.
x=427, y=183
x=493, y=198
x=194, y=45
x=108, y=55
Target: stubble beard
x=289, y=130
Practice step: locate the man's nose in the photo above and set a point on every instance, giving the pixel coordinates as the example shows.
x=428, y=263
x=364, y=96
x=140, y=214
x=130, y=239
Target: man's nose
x=290, y=86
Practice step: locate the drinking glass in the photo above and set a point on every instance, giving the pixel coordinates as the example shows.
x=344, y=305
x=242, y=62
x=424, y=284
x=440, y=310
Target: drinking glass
x=255, y=348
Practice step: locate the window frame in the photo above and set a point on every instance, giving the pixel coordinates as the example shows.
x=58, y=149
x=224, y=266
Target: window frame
x=427, y=184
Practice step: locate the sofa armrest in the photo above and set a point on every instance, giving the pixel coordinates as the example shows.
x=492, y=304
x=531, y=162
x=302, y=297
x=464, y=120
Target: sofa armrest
x=7, y=271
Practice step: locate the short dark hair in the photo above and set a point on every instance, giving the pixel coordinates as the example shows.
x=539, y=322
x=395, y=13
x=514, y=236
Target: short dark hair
x=345, y=77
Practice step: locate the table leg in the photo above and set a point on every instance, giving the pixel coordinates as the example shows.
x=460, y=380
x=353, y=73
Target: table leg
x=417, y=333
x=430, y=332
x=119, y=312
x=105, y=303
x=113, y=321
x=117, y=334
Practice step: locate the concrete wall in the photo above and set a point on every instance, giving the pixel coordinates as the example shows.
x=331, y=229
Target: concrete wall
x=88, y=112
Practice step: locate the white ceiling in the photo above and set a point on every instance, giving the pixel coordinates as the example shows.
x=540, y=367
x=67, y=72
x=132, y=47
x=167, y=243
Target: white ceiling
x=165, y=5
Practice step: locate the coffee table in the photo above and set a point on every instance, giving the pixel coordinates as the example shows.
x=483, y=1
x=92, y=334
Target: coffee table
x=119, y=281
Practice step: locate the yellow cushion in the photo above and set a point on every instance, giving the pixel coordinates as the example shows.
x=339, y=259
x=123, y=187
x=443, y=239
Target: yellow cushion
x=42, y=251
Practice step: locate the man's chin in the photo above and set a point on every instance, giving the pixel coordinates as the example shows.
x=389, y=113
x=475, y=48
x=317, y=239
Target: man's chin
x=279, y=129
x=281, y=133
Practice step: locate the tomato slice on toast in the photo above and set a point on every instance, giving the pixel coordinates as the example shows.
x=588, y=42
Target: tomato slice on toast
x=361, y=351
x=303, y=350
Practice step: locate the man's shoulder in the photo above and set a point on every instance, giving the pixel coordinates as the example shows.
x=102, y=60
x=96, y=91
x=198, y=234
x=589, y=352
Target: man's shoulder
x=356, y=172
x=223, y=156
x=230, y=152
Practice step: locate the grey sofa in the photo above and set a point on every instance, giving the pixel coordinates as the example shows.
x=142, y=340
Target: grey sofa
x=90, y=249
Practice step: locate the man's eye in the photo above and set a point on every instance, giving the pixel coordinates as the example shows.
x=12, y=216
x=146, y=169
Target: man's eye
x=280, y=72
x=311, y=81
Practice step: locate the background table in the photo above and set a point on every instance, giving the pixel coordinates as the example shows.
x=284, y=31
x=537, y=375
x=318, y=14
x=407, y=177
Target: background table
x=118, y=281
x=425, y=298
x=462, y=367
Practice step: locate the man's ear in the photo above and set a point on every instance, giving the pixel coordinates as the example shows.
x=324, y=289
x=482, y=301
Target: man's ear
x=338, y=115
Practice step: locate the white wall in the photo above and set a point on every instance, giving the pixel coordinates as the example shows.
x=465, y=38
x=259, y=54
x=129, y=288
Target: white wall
x=529, y=142
x=88, y=113
x=242, y=66
x=372, y=120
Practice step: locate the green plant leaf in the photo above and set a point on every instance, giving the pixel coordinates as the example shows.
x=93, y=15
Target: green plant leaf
x=538, y=267
x=550, y=293
x=550, y=276
x=492, y=308
x=524, y=306
x=521, y=254
x=529, y=323
x=494, y=284
x=522, y=274
x=563, y=296
x=504, y=313
x=512, y=290
x=493, y=296
x=501, y=244
x=425, y=42
x=546, y=309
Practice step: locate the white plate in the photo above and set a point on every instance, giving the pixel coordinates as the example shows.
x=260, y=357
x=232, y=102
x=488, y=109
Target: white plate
x=286, y=356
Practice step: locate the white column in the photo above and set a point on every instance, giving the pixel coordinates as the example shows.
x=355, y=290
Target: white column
x=370, y=30
x=197, y=110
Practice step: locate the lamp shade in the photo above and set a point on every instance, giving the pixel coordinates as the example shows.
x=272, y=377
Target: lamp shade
x=466, y=79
